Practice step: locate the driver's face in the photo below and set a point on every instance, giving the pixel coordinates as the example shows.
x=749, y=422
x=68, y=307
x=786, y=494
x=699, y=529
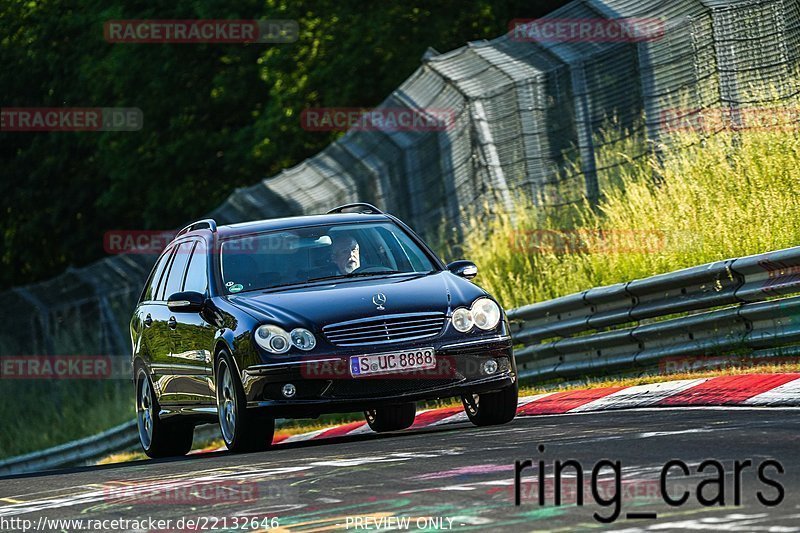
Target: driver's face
x=346, y=255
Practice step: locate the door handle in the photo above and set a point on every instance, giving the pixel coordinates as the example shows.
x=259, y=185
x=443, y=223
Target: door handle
x=172, y=323
x=148, y=321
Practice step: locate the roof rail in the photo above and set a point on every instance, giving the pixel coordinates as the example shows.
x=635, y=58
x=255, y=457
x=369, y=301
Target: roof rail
x=367, y=209
x=207, y=223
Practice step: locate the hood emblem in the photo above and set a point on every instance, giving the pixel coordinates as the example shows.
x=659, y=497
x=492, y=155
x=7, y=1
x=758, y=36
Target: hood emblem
x=379, y=299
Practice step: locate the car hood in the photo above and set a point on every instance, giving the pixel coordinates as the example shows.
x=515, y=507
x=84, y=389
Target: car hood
x=319, y=305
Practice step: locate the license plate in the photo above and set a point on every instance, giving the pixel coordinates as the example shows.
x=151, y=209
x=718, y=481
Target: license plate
x=390, y=363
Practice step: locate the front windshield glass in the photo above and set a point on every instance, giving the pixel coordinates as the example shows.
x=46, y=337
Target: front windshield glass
x=318, y=253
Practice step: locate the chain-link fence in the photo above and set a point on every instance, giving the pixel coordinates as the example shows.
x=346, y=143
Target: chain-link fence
x=553, y=118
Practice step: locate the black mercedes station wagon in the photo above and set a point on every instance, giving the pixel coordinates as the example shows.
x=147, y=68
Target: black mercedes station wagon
x=296, y=317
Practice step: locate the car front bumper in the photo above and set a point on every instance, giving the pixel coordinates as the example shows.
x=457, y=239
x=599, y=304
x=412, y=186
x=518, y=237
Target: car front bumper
x=324, y=384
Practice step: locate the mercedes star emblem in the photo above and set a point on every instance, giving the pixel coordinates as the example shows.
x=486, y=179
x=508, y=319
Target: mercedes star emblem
x=379, y=299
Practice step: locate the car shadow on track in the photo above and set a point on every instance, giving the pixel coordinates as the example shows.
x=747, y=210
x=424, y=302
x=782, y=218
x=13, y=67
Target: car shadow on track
x=348, y=439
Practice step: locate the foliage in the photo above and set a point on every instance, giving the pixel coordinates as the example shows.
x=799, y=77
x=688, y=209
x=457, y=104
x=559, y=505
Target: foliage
x=216, y=116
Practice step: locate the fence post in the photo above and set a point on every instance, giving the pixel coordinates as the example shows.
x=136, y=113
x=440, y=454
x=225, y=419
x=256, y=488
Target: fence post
x=489, y=155
x=583, y=127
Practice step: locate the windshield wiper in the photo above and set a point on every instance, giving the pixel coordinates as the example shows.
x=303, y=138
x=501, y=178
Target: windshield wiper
x=283, y=286
x=344, y=276
x=360, y=274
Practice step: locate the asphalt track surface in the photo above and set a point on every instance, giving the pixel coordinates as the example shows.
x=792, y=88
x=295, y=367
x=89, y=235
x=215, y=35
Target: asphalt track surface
x=455, y=472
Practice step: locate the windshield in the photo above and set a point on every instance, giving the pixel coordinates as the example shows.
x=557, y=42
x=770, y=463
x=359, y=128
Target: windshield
x=318, y=253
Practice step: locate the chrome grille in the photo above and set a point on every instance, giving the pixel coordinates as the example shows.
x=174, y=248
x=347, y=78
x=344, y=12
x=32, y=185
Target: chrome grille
x=381, y=330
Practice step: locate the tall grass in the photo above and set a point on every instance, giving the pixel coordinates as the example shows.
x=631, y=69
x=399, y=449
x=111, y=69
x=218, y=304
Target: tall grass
x=41, y=414
x=710, y=198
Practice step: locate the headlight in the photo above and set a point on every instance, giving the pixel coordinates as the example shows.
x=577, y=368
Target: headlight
x=462, y=319
x=273, y=339
x=303, y=339
x=485, y=313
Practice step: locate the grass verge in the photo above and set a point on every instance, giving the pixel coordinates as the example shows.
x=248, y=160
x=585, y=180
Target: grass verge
x=40, y=414
x=717, y=197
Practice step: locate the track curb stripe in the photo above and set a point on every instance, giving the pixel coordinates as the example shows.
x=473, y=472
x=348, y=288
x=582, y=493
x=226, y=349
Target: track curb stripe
x=728, y=390
x=564, y=402
x=434, y=415
x=340, y=431
x=744, y=390
x=639, y=395
x=787, y=394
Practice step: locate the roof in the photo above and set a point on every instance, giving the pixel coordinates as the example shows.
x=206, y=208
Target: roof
x=276, y=224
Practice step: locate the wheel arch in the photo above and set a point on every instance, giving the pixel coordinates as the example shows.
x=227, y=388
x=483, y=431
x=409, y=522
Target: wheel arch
x=224, y=342
x=139, y=362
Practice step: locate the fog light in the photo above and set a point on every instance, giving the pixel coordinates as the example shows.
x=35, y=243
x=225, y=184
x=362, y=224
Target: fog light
x=289, y=390
x=490, y=366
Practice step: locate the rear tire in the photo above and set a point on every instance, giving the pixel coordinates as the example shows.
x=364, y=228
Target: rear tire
x=492, y=408
x=391, y=417
x=159, y=438
x=243, y=429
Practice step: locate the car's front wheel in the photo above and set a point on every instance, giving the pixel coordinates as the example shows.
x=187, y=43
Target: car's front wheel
x=159, y=438
x=391, y=417
x=489, y=409
x=243, y=429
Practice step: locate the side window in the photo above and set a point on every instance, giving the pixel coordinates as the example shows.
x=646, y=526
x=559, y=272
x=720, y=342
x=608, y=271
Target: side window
x=178, y=269
x=419, y=262
x=196, y=276
x=155, y=276
x=158, y=293
x=388, y=251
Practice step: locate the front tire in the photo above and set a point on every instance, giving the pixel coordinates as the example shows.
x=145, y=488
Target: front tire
x=243, y=430
x=391, y=417
x=159, y=438
x=493, y=408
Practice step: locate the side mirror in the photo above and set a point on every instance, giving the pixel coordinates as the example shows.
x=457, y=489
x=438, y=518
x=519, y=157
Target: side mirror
x=186, y=302
x=464, y=269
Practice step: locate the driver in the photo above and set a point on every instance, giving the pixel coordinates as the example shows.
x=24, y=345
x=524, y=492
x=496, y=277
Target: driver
x=345, y=254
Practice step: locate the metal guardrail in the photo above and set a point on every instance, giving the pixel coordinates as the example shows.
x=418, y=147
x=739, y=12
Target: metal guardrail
x=732, y=307
x=90, y=449
x=74, y=453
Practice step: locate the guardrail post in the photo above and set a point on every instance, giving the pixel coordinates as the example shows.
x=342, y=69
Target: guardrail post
x=44, y=318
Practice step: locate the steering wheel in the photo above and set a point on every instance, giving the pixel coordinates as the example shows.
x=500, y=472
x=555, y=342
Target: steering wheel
x=371, y=268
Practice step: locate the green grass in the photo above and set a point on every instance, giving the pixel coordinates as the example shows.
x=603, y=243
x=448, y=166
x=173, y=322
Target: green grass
x=714, y=198
x=40, y=414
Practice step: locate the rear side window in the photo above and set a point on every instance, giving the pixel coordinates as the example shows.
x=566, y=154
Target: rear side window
x=177, y=270
x=196, y=275
x=155, y=277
